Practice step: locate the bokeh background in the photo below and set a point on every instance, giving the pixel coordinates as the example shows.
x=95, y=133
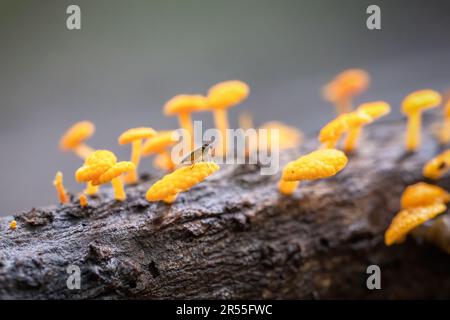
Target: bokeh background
x=131, y=56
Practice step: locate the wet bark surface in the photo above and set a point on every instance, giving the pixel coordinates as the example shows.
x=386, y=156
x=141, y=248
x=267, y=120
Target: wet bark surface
x=234, y=236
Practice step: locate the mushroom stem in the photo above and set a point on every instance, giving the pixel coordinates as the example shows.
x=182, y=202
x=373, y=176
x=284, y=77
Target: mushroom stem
x=135, y=158
x=119, y=192
x=221, y=122
x=91, y=189
x=186, y=123
x=330, y=144
x=287, y=187
x=413, y=131
x=58, y=183
x=171, y=199
x=344, y=106
x=352, y=138
x=83, y=151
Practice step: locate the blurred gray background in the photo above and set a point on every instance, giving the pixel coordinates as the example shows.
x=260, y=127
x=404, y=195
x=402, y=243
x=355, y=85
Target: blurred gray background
x=131, y=56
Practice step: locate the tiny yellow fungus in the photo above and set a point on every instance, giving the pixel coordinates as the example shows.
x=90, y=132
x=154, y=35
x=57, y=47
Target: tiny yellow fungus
x=341, y=90
x=366, y=113
x=102, y=167
x=319, y=164
x=180, y=180
x=183, y=105
x=438, y=166
x=83, y=200
x=58, y=183
x=287, y=187
x=289, y=137
x=135, y=137
x=170, y=199
x=13, y=225
x=408, y=219
x=423, y=194
x=221, y=97
x=330, y=134
x=160, y=144
x=413, y=105
x=74, y=139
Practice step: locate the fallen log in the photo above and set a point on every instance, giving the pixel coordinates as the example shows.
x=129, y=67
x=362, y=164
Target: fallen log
x=234, y=237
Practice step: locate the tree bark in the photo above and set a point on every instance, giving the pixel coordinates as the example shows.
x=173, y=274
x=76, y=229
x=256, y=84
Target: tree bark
x=234, y=236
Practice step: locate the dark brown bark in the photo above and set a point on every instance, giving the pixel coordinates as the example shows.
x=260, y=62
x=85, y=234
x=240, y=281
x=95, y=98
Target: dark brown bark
x=234, y=236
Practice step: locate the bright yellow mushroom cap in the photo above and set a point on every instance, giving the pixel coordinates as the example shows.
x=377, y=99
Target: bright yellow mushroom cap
x=227, y=94
x=333, y=129
x=76, y=135
x=180, y=180
x=421, y=100
x=115, y=171
x=158, y=143
x=318, y=164
x=438, y=166
x=376, y=109
x=348, y=83
x=408, y=219
x=184, y=103
x=423, y=194
x=136, y=134
x=356, y=118
x=95, y=165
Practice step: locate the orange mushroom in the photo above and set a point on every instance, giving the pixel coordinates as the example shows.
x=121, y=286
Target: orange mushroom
x=365, y=114
x=102, y=167
x=58, y=183
x=330, y=134
x=341, y=90
x=413, y=105
x=319, y=164
x=180, y=180
x=408, y=219
x=73, y=139
x=423, y=194
x=221, y=97
x=135, y=137
x=183, y=105
x=160, y=144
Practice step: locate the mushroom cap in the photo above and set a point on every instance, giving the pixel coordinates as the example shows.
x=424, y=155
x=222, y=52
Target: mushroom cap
x=347, y=84
x=289, y=137
x=180, y=180
x=95, y=165
x=376, y=109
x=356, y=118
x=319, y=164
x=136, y=134
x=158, y=143
x=227, y=94
x=333, y=129
x=185, y=103
x=438, y=166
x=423, y=194
x=408, y=219
x=113, y=172
x=421, y=100
x=76, y=135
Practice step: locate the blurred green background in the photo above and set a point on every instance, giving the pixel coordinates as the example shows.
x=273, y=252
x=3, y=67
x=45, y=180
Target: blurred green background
x=131, y=56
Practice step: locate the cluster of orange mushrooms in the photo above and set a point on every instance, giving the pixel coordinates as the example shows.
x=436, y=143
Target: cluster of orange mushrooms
x=419, y=202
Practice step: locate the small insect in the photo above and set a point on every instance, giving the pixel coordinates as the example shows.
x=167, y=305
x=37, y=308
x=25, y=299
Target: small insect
x=200, y=154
